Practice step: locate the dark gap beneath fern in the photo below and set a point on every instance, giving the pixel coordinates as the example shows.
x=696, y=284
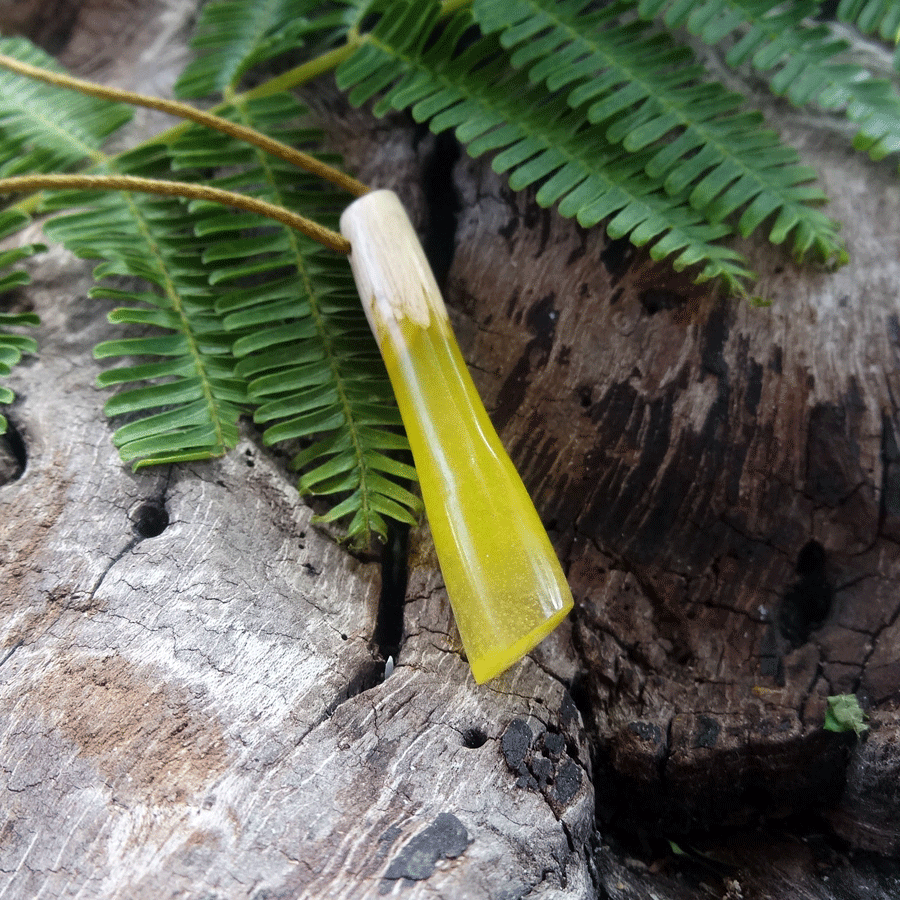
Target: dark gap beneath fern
x=13, y=455
x=443, y=204
x=388, y=636
x=150, y=518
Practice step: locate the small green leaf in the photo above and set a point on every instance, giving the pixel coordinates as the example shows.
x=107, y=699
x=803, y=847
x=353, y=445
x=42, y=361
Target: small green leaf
x=845, y=714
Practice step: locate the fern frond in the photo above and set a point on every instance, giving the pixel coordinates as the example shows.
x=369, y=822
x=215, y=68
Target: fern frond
x=233, y=36
x=412, y=63
x=648, y=92
x=183, y=398
x=12, y=346
x=43, y=129
x=800, y=60
x=12, y=343
x=180, y=386
x=303, y=344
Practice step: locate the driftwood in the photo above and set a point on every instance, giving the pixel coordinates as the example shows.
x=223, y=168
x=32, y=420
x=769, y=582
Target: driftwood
x=194, y=704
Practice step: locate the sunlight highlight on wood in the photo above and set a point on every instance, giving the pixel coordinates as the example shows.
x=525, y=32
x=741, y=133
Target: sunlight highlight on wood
x=505, y=583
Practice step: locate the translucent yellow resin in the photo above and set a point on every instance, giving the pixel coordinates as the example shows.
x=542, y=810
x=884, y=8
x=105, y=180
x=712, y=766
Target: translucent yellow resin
x=505, y=583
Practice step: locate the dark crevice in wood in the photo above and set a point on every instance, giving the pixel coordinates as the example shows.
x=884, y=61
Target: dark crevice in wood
x=13, y=454
x=366, y=676
x=10, y=651
x=889, y=506
x=617, y=256
x=150, y=518
x=657, y=300
x=808, y=601
x=92, y=593
x=388, y=636
x=473, y=738
x=442, y=203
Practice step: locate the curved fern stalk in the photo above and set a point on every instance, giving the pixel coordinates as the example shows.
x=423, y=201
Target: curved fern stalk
x=255, y=138
x=312, y=368
x=649, y=93
x=411, y=63
x=800, y=60
x=182, y=189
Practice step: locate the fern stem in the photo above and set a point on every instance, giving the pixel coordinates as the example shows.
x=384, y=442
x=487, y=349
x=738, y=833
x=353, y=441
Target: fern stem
x=302, y=74
x=131, y=183
x=186, y=111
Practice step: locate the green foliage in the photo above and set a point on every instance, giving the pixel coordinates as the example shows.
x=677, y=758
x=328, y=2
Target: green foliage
x=411, y=59
x=43, y=129
x=233, y=36
x=881, y=17
x=227, y=313
x=845, y=714
x=602, y=109
x=301, y=340
x=12, y=346
x=649, y=93
x=801, y=60
x=12, y=343
x=183, y=399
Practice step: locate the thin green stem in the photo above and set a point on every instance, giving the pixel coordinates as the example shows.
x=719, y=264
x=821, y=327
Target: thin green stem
x=186, y=190
x=302, y=74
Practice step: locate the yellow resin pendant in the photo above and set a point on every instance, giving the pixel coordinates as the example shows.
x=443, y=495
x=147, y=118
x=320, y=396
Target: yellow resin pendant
x=504, y=581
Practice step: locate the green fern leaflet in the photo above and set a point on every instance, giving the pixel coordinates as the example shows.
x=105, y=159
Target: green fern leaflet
x=233, y=36
x=13, y=344
x=43, y=129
